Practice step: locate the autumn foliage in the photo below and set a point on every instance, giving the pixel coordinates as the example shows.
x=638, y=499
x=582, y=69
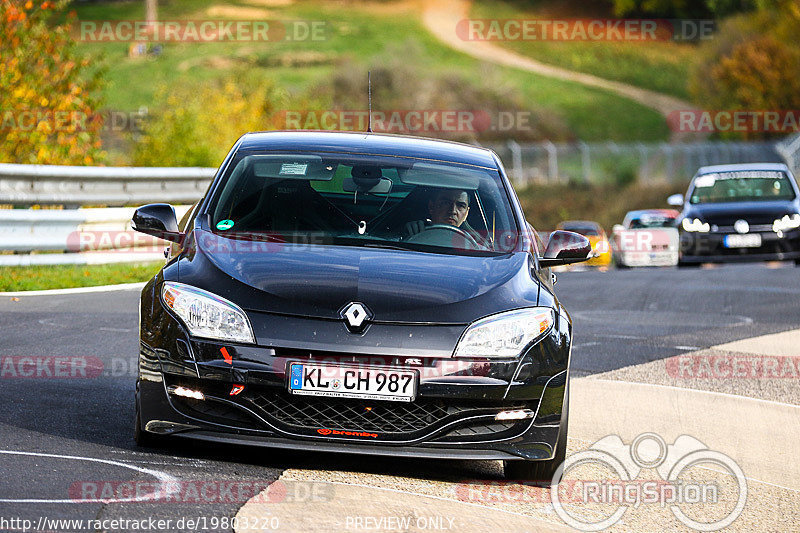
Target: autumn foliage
x=48, y=95
x=752, y=64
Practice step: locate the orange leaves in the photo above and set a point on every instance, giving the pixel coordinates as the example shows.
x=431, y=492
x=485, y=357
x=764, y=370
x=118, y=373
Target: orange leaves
x=47, y=92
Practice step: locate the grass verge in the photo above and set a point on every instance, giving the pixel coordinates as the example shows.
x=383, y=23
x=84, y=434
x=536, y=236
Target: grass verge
x=41, y=277
x=361, y=32
x=661, y=66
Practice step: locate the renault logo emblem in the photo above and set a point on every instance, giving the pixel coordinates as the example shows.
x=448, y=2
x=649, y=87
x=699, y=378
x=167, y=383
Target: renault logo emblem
x=356, y=316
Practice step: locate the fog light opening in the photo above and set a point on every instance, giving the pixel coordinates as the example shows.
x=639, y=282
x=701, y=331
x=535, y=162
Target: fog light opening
x=518, y=414
x=187, y=393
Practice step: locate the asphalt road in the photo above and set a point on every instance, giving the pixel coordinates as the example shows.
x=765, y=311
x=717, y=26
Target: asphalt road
x=66, y=424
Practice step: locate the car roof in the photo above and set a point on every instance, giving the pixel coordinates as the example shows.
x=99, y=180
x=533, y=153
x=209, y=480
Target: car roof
x=369, y=143
x=580, y=224
x=640, y=212
x=778, y=167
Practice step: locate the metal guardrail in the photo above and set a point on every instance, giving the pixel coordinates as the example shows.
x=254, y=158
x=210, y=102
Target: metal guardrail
x=74, y=186
x=85, y=235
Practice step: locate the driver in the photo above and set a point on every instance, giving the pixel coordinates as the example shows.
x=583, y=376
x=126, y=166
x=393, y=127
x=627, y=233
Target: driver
x=448, y=207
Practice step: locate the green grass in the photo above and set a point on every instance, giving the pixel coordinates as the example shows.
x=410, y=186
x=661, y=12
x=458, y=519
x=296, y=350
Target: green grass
x=658, y=66
x=31, y=278
x=355, y=32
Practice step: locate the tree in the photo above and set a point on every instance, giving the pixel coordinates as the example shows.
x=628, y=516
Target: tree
x=752, y=64
x=48, y=95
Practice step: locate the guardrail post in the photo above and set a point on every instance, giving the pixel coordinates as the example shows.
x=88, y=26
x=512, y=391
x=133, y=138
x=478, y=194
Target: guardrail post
x=516, y=160
x=586, y=161
x=552, y=161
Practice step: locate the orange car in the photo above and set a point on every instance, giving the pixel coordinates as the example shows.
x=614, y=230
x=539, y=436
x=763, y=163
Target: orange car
x=597, y=237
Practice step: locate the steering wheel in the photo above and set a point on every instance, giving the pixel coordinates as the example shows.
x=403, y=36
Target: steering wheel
x=432, y=235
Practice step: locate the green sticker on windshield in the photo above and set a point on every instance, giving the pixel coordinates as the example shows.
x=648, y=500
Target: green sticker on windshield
x=225, y=224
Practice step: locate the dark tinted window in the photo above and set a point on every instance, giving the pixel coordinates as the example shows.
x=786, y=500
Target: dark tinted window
x=356, y=200
x=745, y=186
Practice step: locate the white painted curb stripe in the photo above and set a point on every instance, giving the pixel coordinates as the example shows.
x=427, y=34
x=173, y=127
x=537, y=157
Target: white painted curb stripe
x=79, y=290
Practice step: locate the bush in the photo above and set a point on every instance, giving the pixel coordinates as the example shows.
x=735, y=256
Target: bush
x=683, y=8
x=198, y=124
x=547, y=205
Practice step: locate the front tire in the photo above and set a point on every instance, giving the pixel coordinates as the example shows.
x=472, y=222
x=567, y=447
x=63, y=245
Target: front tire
x=543, y=471
x=143, y=438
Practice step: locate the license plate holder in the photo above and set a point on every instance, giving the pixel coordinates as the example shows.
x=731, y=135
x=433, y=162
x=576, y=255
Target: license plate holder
x=353, y=381
x=751, y=240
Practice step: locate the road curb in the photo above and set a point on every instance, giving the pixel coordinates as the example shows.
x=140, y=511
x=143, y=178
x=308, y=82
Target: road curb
x=346, y=507
x=746, y=429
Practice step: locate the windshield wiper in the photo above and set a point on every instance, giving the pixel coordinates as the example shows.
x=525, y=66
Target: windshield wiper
x=385, y=245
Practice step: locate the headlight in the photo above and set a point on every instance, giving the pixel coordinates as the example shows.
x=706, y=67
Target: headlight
x=788, y=222
x=206, y=314
x=505, y=334
x=695, y=225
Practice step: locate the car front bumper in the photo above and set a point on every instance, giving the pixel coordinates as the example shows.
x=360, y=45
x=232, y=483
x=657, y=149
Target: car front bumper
x=452, y=416
x=710, y=248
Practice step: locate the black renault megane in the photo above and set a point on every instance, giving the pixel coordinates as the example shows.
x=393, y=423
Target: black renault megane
x=359, y=293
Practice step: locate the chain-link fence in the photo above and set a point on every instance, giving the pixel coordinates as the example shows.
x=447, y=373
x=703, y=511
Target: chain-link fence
x=789, y=149
x=623, y=163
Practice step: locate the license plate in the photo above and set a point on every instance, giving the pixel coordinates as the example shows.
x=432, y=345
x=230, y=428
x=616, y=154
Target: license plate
x=370, y=383
x=752, y=240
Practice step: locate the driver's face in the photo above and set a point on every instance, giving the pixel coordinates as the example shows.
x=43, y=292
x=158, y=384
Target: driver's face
x=449, y=207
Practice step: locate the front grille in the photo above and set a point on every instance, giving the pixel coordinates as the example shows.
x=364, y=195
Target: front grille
x=754, y=228
x=390, y=419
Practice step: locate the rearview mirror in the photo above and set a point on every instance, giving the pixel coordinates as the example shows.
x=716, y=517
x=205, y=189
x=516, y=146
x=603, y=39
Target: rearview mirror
x=676, y=200
x=158, y=220
x=565, y=248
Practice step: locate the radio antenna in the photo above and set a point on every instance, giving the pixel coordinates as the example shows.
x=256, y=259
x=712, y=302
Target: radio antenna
x=369, y=96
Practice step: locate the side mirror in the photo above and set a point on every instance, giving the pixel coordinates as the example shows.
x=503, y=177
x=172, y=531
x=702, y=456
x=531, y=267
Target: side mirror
x=158, y=220
x=565, y=248
x=676, y=200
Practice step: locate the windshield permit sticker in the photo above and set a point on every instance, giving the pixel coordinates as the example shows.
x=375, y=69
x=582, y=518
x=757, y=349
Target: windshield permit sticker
x=293, y=169
x=225, y=224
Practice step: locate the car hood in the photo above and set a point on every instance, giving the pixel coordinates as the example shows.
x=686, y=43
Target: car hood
x=397, y=286
x=727, y=213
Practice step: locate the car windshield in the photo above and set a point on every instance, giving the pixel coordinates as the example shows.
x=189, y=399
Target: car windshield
x=652, y=220
x=741, y=187
x=361, y=200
